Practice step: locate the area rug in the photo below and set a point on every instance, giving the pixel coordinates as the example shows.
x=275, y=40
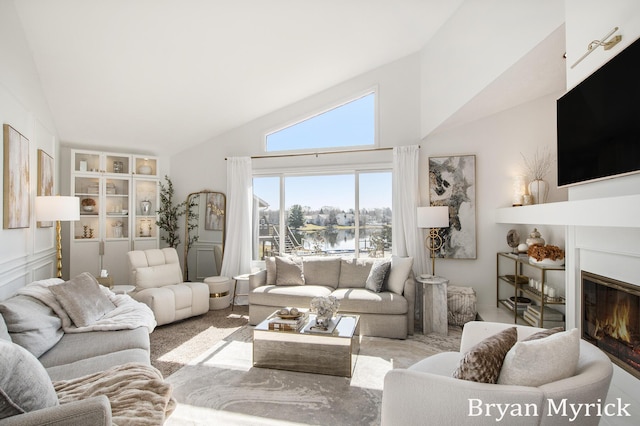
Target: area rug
x=220, y=386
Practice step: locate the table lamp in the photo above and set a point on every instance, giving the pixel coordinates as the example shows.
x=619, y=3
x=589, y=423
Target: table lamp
x=58, y=208
x=433, y=217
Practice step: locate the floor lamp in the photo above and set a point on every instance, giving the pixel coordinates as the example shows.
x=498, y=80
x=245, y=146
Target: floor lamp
x=433, y=217
x=57, y=208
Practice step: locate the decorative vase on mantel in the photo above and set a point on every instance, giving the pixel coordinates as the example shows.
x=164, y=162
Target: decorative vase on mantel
x=539, y=190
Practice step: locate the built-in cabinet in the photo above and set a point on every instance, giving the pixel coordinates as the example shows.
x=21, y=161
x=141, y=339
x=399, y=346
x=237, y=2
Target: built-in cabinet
x=528, y=301
x=119, y=197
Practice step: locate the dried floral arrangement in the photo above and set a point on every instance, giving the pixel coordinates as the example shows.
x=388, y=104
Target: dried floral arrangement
x=545, y=252
x=540, y=165
x=88, y=202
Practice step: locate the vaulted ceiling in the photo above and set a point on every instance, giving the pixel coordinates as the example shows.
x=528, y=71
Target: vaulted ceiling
x=158, y=76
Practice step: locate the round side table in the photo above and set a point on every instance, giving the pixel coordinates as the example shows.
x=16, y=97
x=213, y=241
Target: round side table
x=434, y=304
x=123, y=289
x=244, y=278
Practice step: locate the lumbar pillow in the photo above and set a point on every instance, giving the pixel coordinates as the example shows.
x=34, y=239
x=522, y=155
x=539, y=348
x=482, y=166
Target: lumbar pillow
x=288, y=271
x=482, y=363
x=400, y=268
x=24, y=383
x=31, y=324
x=541, y=361
x=82, y=299
x=377, y=275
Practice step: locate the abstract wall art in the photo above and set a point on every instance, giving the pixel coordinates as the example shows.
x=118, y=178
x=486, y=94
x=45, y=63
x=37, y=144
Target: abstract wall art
x=45, y=179
x=16, y=179
x=452, y=183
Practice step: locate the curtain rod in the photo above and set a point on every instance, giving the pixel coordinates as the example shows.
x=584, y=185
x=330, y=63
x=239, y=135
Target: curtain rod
x=300, y=154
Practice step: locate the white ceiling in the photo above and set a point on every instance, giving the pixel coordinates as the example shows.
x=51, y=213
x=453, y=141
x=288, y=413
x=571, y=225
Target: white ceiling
x=157, y=76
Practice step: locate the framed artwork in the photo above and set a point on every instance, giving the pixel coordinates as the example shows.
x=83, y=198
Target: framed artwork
x=45, y=179
x=214, y=213
x=452, y=183
x=16, y=179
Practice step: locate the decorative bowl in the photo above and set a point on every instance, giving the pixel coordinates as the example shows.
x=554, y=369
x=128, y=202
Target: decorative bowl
x=546, y=262
x=87, y=208
x=144, y=169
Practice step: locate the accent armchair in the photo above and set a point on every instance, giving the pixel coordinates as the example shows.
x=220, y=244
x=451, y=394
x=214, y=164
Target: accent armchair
x=426, y=392
x=157, y=276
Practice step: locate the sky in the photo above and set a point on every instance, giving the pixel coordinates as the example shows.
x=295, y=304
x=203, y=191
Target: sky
x=327, y=190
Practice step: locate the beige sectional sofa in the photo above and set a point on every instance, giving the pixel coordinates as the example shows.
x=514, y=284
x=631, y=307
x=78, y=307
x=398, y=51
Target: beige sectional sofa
x=384, y=313
x=30, y=331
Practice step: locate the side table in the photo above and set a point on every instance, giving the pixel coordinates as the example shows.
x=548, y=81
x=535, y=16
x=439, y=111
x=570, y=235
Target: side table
x=434, y=304
x=123, y=289
x=244, y=278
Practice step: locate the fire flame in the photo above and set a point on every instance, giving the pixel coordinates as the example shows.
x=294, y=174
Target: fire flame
x=615, y=325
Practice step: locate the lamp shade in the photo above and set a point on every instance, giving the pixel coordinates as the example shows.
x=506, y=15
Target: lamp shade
x=55, y=207
x=433, y=217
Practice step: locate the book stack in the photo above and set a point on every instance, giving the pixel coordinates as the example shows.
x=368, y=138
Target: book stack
x=522, y=305
x=288, y=324
x=552, y=317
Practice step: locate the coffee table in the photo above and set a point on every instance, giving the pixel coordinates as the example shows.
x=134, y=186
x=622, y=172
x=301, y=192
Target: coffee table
x=333, y=354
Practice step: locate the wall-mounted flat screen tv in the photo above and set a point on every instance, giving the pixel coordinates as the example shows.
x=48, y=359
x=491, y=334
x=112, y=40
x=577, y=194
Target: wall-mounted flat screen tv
x=599, y=122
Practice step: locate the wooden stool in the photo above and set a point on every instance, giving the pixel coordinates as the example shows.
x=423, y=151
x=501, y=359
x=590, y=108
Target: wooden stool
x=219, y=292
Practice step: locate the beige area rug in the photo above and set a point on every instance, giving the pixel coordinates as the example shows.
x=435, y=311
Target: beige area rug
x=218, y=385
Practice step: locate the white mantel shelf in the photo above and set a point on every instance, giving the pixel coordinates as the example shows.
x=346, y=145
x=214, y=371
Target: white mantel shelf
x=623, y=212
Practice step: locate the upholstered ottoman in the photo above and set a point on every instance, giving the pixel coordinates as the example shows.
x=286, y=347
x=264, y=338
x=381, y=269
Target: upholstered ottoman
x=219, y=292
x=461, y=305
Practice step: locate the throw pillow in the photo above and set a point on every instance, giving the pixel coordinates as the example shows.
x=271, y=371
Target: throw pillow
x=82, y=299
x=324, y=271
x=482, y=363
x=288, y=271
x=377, y=275
x=354, y=273
x=270, y=264
x=544, y=333
x=31, y=324
x=400, y=269
x=24, y=383
x=541, y=361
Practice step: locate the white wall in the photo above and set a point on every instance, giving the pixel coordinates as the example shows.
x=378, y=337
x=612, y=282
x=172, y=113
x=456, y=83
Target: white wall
x=611, y=252
x=204, y=166
x=478, y=43
x=29, y=253
x=497, y=142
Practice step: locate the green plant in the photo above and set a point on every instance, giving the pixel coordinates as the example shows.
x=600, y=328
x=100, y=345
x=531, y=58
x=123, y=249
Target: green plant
x=168, y=214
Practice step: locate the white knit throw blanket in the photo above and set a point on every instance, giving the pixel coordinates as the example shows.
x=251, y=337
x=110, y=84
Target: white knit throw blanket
x=128, y=314
x=137, y=393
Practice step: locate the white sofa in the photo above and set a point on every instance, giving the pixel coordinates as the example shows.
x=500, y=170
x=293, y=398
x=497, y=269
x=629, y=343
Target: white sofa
x=427, y=392
x=388, y=313
x=157, y=276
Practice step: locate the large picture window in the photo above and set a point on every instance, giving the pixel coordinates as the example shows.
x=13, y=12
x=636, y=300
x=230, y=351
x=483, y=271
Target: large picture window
x=340, y=214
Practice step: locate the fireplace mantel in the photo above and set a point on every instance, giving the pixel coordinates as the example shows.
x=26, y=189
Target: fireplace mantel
x=622, y=212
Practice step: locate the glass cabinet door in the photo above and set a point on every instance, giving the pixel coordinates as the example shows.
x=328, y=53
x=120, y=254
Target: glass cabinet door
x=88, y=190
x=116, y=208
x=86, y=162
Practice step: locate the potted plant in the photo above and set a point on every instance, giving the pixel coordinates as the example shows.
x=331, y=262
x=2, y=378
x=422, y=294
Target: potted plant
x=168, y=214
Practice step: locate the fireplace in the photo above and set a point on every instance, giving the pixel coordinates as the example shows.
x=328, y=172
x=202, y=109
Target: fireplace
x=611, y=319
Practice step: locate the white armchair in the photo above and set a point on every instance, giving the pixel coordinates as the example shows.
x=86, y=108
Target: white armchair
x=426, y=392
x=157, y=276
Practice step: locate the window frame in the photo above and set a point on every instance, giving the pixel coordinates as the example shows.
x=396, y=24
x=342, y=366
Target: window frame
x=320, y=171
x=329, y=107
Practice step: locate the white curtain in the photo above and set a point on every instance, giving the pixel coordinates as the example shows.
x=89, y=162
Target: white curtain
x=407, y=238
x=237, y=247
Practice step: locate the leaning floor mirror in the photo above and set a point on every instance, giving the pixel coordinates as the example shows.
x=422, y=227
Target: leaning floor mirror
x=205, y=232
